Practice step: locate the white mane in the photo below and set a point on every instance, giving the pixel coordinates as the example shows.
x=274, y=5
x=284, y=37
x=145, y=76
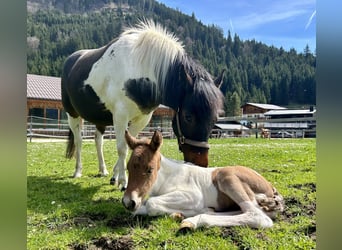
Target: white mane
x=155, y=46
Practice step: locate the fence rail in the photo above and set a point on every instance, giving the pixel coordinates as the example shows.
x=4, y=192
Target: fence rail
x=38, y=127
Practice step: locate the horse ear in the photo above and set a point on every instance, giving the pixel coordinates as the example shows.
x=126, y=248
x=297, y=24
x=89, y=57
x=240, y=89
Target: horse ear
x=156, y=141
x=132, y=142
x=184, y=76
x=219, y=80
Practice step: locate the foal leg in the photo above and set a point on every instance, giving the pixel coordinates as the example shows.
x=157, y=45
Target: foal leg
x=75, y=125
x=99, y=148
x=251, y=214
x=252, y=218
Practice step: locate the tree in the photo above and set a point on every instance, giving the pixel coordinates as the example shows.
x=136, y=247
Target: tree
x=232, y=104
x=255, y=71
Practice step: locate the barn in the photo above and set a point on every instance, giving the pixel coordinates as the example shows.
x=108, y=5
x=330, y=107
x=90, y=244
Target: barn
x=44, y=97
x=44, y=102
x=258, y=109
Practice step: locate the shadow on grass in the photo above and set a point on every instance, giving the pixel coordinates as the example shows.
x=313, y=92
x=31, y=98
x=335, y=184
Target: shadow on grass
x=47, y=195
x=44, y=193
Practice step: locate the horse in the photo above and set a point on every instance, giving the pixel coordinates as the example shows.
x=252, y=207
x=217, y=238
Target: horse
x=123, y=82
x=220, y=196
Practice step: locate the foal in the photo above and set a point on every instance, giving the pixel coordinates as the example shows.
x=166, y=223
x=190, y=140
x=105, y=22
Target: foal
x=227, y=196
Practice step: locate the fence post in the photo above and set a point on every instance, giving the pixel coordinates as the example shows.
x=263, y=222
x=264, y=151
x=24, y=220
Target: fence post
x=31, y=128
x=256, y=130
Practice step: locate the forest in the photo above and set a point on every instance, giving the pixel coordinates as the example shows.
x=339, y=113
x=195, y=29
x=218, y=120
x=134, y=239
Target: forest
x=254, y=72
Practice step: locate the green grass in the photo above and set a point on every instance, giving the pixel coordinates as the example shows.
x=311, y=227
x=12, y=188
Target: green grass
x=67, y=213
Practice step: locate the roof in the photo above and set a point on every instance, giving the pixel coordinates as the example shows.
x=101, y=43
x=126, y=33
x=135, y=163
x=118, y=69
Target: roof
x=48, y=88
x=290, y=112
x=225, y=126
x=43, y=87
x=265, y=106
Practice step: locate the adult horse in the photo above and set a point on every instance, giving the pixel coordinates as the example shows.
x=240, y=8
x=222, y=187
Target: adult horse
x=223, y=196
x=125, y=81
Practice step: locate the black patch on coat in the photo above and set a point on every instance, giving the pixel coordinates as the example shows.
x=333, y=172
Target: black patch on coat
x=143, y=92
x=79, y=99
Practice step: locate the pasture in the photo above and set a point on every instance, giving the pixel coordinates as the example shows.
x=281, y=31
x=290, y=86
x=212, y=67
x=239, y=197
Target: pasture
x=86, y=213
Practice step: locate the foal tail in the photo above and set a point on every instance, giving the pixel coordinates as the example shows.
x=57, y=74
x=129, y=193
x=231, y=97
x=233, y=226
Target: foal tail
x=70, y=151
x=271, y=205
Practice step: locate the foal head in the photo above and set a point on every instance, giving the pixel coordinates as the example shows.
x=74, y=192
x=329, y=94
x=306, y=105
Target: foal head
x=142, y=167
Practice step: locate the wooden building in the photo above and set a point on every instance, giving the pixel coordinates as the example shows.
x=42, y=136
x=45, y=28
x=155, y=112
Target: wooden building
x=44, y=100
x=258, y=108
x=44, y=97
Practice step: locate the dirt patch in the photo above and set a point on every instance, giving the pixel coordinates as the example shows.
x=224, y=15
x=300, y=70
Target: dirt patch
x=122, y=221
x=117, y=222
x=124, y=243
x=294, y=207
x=89, y=219
x=237, y=240
x=105, y=243
x=311, y=186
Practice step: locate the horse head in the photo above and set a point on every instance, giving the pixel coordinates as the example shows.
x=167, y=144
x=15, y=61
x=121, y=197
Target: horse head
x=142, y=167
x=197, y=113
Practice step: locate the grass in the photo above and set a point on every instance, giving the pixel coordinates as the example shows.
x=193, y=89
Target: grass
x=86, y=213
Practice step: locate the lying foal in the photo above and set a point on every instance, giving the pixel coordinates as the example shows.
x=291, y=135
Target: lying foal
x=228, y=196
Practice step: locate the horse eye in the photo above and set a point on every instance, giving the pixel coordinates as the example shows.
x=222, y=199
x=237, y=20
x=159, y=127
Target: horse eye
x=149, y=171
x=188, y=118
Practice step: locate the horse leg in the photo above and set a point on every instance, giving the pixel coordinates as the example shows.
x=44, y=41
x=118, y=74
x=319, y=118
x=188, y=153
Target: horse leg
x=75, y=125
x=120, y=167
x=119, y=170
x=139, y=124
x=99, y=148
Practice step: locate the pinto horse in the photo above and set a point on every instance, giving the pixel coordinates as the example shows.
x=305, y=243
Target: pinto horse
x=124, y=82
x=224, y=196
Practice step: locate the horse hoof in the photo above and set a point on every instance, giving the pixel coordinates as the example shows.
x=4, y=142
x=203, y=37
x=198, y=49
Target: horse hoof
x=112, y=181
x=177, y=216
x=123, y=189
x=186, y=227
x=103, y=174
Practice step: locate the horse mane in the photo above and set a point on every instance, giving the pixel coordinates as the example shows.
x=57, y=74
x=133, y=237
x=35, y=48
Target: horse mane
x=207, y=98
x=155, y=46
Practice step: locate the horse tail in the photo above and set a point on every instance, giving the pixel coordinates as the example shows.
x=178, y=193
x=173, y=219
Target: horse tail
x=271, y=205
x=70, y=151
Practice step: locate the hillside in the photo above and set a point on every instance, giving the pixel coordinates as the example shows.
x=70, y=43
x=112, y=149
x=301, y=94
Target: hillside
x=255, y=72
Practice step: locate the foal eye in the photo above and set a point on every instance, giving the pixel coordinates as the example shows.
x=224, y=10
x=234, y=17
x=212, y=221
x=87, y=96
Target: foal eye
x=149, y=171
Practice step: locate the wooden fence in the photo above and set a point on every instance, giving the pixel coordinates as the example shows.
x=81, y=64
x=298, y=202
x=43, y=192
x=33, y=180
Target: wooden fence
x=38, y=127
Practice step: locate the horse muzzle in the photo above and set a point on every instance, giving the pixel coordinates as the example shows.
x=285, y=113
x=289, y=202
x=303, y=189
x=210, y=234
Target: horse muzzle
x=195, y=155
x=131, y=202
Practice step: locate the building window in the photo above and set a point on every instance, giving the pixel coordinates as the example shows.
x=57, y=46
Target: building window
x=52, y=114
x=36, y=112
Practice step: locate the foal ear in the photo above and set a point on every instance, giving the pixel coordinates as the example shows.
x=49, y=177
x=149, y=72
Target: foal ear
x=131, y=141
x=156, y=141
x=219, y=80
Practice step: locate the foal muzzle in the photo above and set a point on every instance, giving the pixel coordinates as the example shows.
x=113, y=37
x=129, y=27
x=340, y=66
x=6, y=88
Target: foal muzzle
x=131, y=202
